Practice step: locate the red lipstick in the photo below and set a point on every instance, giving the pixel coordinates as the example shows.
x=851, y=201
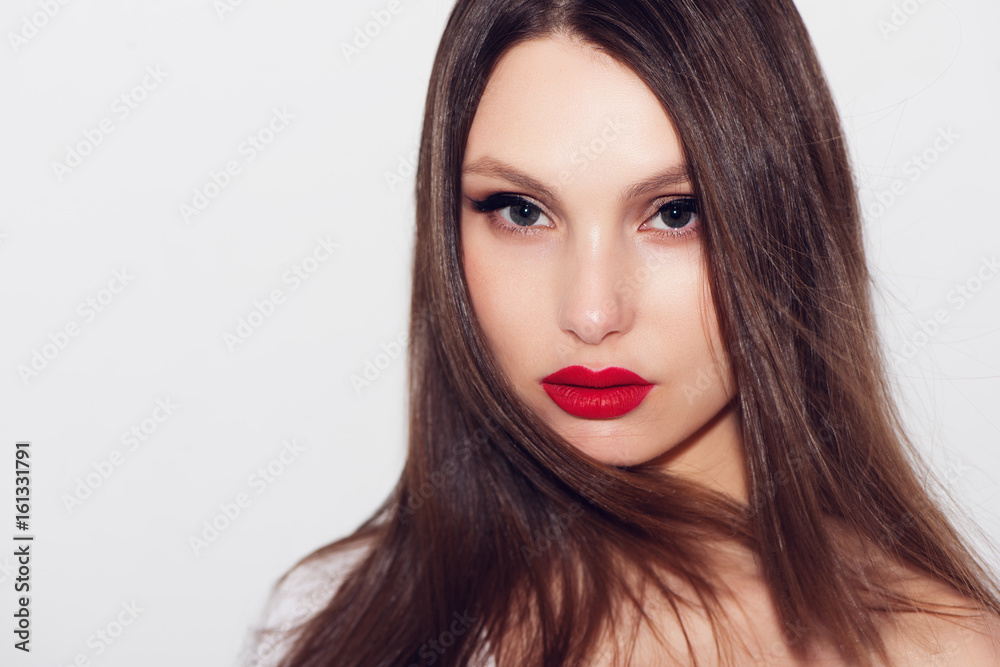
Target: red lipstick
x=604, y=394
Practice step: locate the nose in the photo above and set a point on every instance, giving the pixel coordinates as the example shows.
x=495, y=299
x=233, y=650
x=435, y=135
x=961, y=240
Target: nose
x=596, y=301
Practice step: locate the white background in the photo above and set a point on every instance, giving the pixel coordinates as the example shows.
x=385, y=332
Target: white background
x=325, y=175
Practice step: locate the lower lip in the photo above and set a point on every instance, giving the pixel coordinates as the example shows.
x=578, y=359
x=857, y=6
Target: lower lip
x=597, y=403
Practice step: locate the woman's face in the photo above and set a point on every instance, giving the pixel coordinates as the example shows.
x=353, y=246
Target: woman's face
x=585, y=250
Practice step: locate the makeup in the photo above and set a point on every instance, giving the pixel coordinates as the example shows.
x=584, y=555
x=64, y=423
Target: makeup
x=605, y=394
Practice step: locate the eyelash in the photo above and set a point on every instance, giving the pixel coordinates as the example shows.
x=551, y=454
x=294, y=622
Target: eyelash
x=496, y=202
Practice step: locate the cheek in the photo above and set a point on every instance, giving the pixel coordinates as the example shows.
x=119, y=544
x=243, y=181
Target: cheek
x=504, y=294
x=714, y=354
x=680, y=327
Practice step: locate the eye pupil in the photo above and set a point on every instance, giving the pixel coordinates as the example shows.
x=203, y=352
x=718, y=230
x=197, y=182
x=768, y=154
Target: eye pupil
x=676, y=214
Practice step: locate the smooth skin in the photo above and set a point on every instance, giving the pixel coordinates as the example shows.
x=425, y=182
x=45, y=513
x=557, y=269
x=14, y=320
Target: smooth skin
x=603, y=275
x=599, y=279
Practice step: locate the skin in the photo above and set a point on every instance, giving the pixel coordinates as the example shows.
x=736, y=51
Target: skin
x=597, y=281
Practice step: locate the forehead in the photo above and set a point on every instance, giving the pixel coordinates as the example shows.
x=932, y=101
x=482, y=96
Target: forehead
x=556, y=103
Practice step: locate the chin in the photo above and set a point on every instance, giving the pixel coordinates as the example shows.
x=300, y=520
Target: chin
x=611, y=442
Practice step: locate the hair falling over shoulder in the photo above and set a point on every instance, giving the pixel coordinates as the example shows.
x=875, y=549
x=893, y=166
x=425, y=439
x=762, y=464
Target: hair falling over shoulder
x=498, y=520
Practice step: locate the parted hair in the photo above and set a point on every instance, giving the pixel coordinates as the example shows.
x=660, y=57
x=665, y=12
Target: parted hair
x=498, y=519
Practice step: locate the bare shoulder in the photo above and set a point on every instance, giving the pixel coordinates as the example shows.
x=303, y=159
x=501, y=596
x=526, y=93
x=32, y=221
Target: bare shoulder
x=958, y=635
x=297, y=596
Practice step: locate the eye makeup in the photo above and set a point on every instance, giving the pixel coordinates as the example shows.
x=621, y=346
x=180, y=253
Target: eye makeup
x=671, y=210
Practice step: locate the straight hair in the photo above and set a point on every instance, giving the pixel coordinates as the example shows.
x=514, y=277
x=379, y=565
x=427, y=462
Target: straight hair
x=498, y=518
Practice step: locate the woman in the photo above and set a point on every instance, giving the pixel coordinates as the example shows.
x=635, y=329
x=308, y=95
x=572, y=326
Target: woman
x=649, y=417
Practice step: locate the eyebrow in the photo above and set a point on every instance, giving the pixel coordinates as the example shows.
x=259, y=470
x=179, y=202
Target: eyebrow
x=668, y=178
x=489, y=166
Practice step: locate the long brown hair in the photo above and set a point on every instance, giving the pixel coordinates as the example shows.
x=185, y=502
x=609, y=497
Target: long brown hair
x=500, y=520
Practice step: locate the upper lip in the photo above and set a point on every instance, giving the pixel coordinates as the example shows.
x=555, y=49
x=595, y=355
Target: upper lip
x=581, y=376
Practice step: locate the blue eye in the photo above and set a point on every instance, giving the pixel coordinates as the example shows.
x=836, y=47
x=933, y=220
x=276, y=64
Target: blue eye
x=678, y=213
x=524, y=214
x=511, y=208
x=518, y=215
